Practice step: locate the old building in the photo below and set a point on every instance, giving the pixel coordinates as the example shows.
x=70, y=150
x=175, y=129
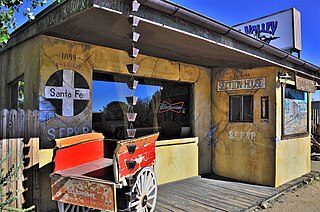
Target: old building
x=222, y=101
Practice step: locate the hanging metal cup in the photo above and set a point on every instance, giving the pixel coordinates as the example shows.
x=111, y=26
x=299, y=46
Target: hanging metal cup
x=131, y=133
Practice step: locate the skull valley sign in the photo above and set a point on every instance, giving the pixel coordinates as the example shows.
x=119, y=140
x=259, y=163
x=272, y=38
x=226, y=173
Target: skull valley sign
x=68, y=91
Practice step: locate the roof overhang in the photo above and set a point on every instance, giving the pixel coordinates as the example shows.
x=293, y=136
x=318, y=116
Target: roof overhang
x=104, y=23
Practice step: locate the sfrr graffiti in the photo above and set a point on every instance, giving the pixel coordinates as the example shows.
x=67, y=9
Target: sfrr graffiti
x=66, y=132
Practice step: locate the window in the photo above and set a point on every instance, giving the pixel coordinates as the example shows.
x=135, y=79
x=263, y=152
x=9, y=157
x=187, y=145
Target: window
x=295, y=112
x=241, y=108
x=17, y=94
x=162, y=106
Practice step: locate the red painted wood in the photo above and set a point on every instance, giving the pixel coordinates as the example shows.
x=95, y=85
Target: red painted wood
x=78, y=154
x=144, y=155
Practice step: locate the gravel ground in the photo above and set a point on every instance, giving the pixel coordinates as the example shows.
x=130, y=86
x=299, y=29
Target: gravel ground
x=305, y=198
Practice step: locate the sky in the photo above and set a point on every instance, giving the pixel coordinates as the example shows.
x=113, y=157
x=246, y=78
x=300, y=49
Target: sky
x=119, y=92
x=232, y=12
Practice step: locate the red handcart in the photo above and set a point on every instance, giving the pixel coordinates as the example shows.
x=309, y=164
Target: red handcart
x=92, y=174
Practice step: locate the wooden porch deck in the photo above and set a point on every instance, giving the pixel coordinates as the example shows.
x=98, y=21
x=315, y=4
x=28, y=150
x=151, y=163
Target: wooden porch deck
x=220, y=194
x=203, y=194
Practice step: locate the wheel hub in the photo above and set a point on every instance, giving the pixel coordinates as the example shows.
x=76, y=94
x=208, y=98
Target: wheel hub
x=144, y=200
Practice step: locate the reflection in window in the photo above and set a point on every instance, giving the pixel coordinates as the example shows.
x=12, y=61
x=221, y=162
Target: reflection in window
x=295, y=112
x=162, y=107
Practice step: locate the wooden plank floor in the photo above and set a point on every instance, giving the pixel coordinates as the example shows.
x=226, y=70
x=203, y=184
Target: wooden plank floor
x=203, y=194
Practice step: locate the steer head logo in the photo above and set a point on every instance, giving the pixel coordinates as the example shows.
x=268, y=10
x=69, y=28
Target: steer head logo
x=175, y=107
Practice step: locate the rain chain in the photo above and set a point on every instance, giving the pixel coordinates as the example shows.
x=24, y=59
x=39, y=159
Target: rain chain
x=132, y=100
x=132, y=69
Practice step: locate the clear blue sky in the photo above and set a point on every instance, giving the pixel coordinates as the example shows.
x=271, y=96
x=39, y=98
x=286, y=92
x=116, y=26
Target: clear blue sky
x=232, y=12
x=117, y=92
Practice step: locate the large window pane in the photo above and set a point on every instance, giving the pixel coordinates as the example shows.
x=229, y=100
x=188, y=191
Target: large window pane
x=295, y=112
x=162, y=107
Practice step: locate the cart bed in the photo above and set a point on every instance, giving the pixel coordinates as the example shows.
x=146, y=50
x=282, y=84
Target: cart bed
x=85, y=168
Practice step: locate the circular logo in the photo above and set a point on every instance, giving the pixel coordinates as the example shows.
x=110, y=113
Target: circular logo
x=68, y=91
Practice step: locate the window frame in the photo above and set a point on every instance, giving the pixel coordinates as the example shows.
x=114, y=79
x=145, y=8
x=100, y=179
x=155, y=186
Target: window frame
x=241, y=109
x=109, y=77
x=295, y=135
x=14, y=93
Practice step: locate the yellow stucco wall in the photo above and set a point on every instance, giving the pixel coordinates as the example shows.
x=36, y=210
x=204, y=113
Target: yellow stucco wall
x=90, y=58
x=293, y=159
x=251, y=158
x=269, y=158
x=176, y=159
x=292, y=154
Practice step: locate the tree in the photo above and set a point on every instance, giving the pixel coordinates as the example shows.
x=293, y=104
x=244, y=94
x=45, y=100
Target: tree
x=8, y=11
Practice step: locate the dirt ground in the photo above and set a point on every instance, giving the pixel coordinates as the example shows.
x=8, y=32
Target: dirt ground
x=305, y=198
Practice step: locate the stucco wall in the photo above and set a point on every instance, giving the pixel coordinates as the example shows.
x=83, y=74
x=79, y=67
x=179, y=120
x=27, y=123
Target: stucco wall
x=177, y=159
x=234, y=154
x=85, y=59
x=3, y=68
x=21, y=61
x=293, y=159
x=292, y=154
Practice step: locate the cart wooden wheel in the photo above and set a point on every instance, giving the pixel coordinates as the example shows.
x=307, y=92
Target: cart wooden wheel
x=145, y=189
x=65, y=207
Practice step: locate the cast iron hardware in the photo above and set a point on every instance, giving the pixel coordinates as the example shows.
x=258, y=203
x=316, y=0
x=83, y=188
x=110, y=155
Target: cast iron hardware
x=131, y=180
x=132, y=100
x=131, y=133
x=131, y=164
x=133, y=52
x=132, y=84
x=134, y=21
x=130, y=196
x=131, y=116
x=131, y=148
x=134, y=36
x=135, y=6
x=132, y=68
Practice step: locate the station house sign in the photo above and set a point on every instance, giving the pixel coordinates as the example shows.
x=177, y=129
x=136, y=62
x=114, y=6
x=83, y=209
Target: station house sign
x=242, y=84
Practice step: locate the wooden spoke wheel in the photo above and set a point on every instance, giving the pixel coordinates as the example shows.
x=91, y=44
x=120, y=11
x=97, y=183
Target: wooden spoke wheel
x=65, y=207
x=145, y=189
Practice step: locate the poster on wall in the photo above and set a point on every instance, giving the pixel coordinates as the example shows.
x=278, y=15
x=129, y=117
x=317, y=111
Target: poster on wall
x=295, y=112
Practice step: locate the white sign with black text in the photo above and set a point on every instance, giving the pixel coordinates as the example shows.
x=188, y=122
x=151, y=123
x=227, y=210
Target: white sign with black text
x=242, y=84
x=65, y=89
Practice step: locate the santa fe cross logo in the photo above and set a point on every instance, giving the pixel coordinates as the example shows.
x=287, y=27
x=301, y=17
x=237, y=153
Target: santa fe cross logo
x=68, y=92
